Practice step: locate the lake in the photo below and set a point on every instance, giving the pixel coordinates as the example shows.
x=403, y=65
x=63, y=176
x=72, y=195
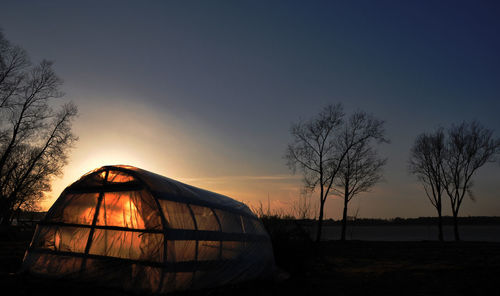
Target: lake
x=489, y=233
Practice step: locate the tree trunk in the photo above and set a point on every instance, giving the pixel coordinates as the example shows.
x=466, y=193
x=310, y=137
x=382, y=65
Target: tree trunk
x=5, y=213
x=320, y=220
x=440, y=225
x=455, y=226
x=344, y=217
x=6, y=216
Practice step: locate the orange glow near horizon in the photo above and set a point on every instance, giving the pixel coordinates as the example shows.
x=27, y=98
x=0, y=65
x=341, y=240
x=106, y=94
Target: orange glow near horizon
x=252, y=190
x=170, y=145
x=192, y=153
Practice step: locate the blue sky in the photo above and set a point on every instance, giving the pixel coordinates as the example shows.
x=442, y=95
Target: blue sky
x=205, y=91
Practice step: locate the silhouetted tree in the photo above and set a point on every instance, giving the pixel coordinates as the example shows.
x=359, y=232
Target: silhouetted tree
x=468, y=147
x=426, y=161
x=317, y=152
x=314, y=151
x=34, y=139
x=361, y=168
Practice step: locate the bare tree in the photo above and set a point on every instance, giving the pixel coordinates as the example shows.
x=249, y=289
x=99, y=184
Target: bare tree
x=34, y=139
x=361, y=168
x=426, y=161
x=315, y=150
x=469, y=146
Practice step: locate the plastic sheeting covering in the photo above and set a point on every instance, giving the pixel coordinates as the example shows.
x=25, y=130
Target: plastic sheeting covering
x=124, y=227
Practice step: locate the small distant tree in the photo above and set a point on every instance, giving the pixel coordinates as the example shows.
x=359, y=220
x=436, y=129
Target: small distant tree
x=34, y=139
x=426, y=162
x=303, y=207
x=469, y=146
x=361, y=168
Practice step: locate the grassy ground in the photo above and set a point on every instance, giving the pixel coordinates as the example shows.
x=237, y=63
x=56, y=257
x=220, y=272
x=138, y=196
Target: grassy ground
x=351, y=268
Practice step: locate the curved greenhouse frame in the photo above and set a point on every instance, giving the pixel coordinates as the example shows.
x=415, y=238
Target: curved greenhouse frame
x=126, y=227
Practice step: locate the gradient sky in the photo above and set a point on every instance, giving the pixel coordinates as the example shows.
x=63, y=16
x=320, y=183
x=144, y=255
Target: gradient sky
x=205, y=91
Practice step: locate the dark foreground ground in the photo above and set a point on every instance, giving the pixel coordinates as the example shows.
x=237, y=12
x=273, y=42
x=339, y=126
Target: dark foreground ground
x=330, y=268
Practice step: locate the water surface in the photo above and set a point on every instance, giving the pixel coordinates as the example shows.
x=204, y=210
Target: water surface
x=412, y=232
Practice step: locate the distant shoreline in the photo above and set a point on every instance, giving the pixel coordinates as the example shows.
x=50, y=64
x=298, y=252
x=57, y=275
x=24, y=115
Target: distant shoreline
x=408, y=232
x=447, y=220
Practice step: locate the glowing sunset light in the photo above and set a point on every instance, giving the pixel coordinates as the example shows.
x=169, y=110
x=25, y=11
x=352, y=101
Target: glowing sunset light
x=211, y=105
x=249, y=147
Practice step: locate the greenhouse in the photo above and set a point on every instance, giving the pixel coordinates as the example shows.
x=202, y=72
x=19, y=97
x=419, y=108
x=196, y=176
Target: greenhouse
x=125, y=227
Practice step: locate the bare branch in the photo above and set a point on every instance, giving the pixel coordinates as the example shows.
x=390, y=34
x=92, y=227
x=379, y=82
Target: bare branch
x=34, y=139
x=469, y=146
x=311, y=149
x=359, y=167
x=317, y=151
x=426, y=163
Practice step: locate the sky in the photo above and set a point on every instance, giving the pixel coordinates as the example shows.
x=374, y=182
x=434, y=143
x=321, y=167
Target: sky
x=205, y=92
